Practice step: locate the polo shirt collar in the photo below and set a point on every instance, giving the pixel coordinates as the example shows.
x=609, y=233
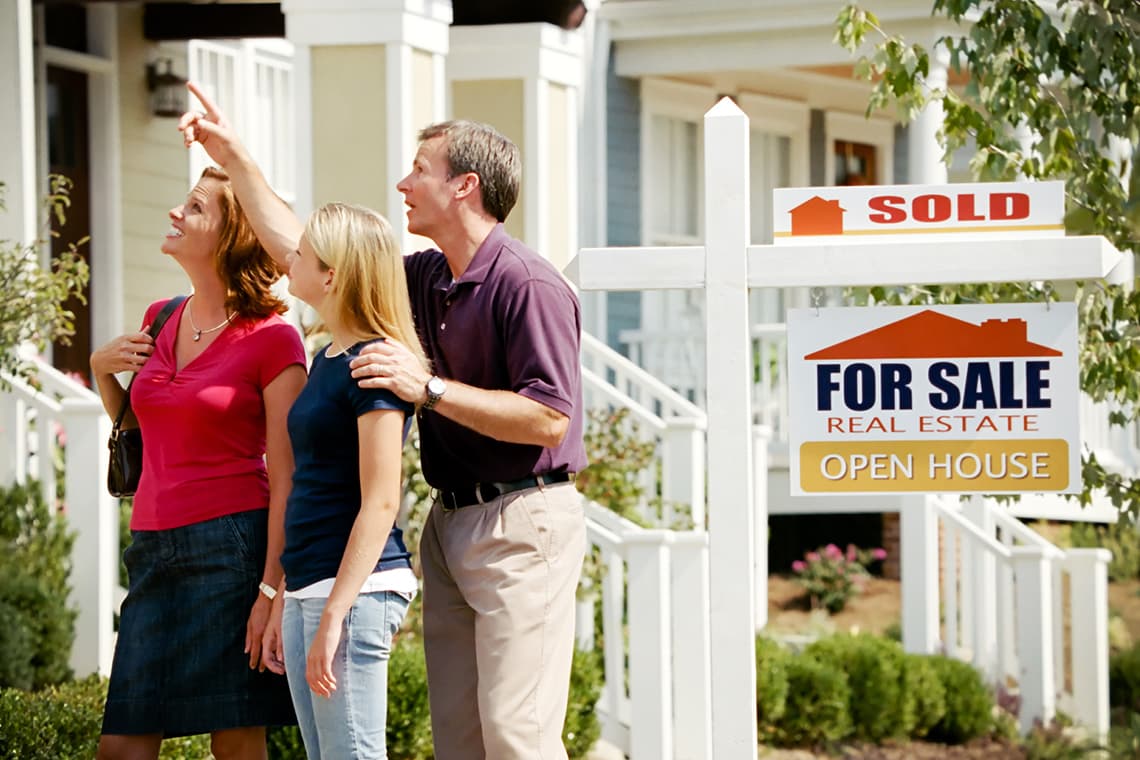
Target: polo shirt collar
x=481, y=262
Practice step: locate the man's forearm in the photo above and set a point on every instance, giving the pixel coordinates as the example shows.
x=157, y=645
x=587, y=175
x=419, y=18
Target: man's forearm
x=503, y=415
x=275, y=224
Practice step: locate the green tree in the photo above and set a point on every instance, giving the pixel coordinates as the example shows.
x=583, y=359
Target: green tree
x=1050, y=94
x=31, y=297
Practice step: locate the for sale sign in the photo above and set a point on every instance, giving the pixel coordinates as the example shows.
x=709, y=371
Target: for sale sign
x=961, y=399
x=812, y=215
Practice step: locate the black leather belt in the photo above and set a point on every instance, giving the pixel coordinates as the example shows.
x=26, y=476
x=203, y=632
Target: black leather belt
x=481, y=493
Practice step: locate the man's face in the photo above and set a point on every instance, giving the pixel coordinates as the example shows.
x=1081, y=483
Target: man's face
x=428, y=193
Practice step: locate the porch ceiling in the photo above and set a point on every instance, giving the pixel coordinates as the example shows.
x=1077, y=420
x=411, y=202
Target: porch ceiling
x=675, y=37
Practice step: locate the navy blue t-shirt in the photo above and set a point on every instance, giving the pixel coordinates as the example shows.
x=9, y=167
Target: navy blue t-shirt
x=326, y=497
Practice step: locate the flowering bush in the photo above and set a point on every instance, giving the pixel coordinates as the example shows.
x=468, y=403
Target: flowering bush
x=831, y=576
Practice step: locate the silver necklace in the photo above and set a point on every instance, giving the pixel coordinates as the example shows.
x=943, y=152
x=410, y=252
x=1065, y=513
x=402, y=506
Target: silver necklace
x=197, y=336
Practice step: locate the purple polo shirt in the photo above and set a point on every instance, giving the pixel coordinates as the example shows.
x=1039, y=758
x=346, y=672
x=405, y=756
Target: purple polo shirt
x=509, y=323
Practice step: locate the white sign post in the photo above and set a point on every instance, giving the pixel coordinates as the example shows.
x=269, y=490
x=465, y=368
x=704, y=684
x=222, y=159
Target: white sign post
x=725, y=268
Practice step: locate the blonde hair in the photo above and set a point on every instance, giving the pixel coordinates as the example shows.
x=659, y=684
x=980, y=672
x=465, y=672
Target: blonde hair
x=369, y=294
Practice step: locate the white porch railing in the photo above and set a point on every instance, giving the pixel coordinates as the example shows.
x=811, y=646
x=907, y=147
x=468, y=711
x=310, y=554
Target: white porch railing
x=655, y=701
x=30, y=421
x=1024, y=611
x=676, y=426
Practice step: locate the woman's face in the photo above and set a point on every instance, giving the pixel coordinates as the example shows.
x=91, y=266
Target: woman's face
x=196, y=223
x=309, y=280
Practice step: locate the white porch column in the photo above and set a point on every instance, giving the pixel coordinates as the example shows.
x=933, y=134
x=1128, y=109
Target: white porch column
x=525, y=79
x=924, y=153
x=17, y=128
x=381, y=62
x=918, y=545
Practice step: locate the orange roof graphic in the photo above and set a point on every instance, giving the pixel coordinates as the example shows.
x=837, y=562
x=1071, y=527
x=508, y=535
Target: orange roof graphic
x=932, y=335
x=817, y=216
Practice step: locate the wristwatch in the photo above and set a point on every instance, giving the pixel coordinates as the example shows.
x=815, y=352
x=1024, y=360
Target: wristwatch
x=266, y=589
x=435, y=389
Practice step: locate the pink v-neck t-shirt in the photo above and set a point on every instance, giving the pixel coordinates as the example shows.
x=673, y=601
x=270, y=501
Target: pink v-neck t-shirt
x=203, y=426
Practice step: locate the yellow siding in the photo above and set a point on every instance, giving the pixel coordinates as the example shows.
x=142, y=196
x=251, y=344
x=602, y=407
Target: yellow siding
x=556, y=195
x=350, y=139
x=498, y=103
x=155, y=176
x=423, y=90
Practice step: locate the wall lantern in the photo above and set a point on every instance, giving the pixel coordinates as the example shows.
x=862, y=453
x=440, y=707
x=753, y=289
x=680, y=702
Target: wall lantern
x=167, y=89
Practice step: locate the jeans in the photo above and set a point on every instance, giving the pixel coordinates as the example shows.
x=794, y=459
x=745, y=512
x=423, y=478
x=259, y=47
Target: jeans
x=351, y=724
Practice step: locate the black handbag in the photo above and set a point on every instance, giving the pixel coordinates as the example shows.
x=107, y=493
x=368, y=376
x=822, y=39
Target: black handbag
x=125, y=464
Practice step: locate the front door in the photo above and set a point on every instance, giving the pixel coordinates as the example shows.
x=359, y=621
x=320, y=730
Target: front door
x=69, y=155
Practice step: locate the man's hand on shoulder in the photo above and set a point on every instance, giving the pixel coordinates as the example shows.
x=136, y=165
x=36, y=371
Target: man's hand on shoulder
x=390, y=365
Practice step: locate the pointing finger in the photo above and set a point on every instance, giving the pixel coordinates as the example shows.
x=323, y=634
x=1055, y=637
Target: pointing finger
x=211, y=109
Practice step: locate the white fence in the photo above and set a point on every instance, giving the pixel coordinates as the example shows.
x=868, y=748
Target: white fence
x=1025, y=612
x=33, y=421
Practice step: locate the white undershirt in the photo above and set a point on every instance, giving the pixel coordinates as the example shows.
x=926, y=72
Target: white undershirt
x=401, y=580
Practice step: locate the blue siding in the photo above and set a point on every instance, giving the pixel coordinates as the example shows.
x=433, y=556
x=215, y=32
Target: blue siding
x=623, y=191
x=901, y=156
x=818, y=149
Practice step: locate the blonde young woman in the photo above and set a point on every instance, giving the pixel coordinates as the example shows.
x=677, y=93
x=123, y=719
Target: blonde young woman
x=348, y=578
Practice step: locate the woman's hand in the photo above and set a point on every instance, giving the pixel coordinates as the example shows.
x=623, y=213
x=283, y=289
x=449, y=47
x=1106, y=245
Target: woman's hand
x=319, y=666
x=126, y=353
x=210, y=129
x=272, y=643
x=255, y=629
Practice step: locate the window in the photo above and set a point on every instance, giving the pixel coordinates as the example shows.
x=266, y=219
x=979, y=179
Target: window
x=855, y=164
x=671, y=166
x=252, y=81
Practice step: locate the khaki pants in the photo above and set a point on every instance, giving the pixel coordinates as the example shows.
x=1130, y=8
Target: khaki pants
x=499, y=586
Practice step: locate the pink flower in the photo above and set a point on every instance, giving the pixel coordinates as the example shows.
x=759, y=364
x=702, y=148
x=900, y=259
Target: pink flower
x=799, y=566
x=851, y=552
x=879, y=553
x=832, y=551
x=812, y=556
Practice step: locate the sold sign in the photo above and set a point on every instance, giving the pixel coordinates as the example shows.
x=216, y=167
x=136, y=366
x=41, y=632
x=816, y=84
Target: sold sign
x=991, y=209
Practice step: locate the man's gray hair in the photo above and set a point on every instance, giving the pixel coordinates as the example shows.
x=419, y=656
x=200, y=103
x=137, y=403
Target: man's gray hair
x=481, y=149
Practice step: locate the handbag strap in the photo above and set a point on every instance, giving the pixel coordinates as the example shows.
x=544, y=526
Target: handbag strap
x=154, y=330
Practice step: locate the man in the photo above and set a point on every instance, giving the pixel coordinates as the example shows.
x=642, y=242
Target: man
x=500, y=434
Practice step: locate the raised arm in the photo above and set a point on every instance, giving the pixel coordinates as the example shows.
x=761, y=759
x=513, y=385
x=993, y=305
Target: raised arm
x=275, y=224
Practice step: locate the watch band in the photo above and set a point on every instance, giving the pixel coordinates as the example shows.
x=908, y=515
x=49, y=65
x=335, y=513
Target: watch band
x=266, y=589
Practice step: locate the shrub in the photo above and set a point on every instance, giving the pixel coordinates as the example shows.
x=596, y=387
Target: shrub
x=35, y=559
x=1124, y=680
x=969, y=704
x=409, y=721
x=1121, y=538
x=771, y=685
x=874, y=671
x=923, y=690
x=817, y=704
x=60, y=722
x=831, y=577
x=285, y=743
x=582, y=729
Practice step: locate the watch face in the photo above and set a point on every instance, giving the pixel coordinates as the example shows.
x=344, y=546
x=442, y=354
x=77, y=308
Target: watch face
x=436, y=387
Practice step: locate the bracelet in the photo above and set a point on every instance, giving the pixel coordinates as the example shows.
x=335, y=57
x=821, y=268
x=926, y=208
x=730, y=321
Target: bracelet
x=268, y=590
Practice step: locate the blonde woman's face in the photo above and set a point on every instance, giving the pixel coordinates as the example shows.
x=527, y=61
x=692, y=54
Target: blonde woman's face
x=308, y=279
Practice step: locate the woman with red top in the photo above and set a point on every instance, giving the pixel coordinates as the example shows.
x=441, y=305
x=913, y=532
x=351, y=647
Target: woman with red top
x=211, y=398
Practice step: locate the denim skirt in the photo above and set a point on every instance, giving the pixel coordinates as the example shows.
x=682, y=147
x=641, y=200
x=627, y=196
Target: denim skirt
x=179, y=668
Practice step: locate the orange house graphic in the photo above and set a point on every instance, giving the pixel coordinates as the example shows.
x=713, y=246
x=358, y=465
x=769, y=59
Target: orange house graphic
x=933, y=335
x=817, y=216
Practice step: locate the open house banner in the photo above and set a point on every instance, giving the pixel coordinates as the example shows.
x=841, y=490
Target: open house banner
x=958, y=399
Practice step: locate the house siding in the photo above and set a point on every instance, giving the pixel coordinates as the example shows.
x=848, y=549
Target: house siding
x=902, y=155
x=817, y=149
x=623, y=192
x=155, y=176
